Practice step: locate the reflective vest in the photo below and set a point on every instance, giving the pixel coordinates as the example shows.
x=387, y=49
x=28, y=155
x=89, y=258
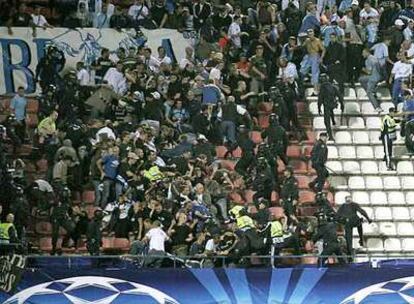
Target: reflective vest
x=236, y=210
x=392, y=133
x=4, y=230
x=153, y=173
x=244, y=222
x=276, y=229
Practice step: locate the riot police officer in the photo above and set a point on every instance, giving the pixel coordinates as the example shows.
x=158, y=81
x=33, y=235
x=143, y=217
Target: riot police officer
x=289, y=97
x=247, y=146
x=289, y=195
x=263, y=181
x=279, y=106
x=60, y=218
x=389, y=135
x=329, y=96
x=323, y=204
x=319, y=156
x=327, y=233
x=348, y=216
x=94, y=233
x=276, y=138
x=263, y=150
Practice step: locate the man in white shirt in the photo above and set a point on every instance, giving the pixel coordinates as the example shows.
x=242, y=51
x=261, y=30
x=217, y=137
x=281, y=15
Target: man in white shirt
x=369, y=18
x=150, y=61
x=82, y=74
x=162, y=56
x=105, y=132
x=234, y=32
x=401, y=71
x=287, y=70
x=215, y=74
x=116, y=79
x=408, y=31
x=189, y=58
x=40, y=20
x=138, y=11
x=156, y=238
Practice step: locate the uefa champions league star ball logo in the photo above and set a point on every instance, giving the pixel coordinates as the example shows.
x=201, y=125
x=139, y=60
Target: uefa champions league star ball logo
x=90, y=290
x=399, y=291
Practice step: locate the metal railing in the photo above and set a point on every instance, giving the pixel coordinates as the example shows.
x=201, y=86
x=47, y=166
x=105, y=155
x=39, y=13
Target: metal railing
x=215, y=261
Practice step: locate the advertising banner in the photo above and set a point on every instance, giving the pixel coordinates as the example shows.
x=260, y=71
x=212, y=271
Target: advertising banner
x=20, y=52
x=87, y=281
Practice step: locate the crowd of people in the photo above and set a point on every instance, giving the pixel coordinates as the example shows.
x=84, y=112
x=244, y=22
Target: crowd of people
x=141, y=129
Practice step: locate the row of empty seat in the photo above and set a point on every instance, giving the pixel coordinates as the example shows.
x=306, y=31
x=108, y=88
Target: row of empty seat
x=364, y=152
x=377, y=198
x=391, y=244
x=365, y=167
x=376, y=182
x=388, y=229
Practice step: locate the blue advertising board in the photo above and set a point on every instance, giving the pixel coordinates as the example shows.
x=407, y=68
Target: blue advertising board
x=91, y=282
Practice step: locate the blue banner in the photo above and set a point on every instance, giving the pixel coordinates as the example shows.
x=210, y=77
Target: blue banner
x=96, y=281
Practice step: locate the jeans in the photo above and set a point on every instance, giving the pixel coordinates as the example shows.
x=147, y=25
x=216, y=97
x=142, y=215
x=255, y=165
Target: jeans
x=396, y=91
x=107, y=185
x=98, y=196
x=370, y=86
x=228, y=129
x=372, y=30
x=311, y=62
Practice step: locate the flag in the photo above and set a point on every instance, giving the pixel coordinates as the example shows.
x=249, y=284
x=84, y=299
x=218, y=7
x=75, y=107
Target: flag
x=11, y=270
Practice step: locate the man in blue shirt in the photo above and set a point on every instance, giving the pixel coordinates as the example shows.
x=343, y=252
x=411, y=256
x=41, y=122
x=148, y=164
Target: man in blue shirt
x=108, y=166
x=18, y=106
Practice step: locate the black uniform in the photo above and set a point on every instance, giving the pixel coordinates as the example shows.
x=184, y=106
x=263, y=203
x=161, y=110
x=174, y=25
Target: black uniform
x=288, y=193
x=348, y=216
x=277, y=140
x=327, y=232
x=263, y=182
x=334, y=60
x=324, y=206
x=329, y=96
x=247, y=158
x=94, y=236
x=319, y=156
x=60, y=218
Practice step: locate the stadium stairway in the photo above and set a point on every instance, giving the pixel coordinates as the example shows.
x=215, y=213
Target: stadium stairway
x=357, y=169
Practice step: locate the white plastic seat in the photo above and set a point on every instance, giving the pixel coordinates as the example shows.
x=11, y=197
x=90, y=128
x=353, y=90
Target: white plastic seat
x=379, y=152
x=367, y=108
x=361, y=197
x=378, y=198
x=383, y=214
x=350, y=93
x=375, y=244
x=335, y=166
x=387, y=228
x=347, y=152
x=386, y=106
x=343, y=137
x=407, y=244
x=407, y=182
x=369, y=167
x=356, y=123
x=352, y=108
x=340, y=197
x=373, y=123
x=313, y=108
x=412, y=212
x=409, y=198
x=404, y=229
x=361, y=93
x=360, y=137
x=374, y=137
x=332, y=152
x=396, y=198
x=382, y=167
x=351, y=167
x=369, y=229
x=392, y=244
x=391, y=182
x=373, y=182
x=318, y=123
x=405, y=167
x=364, y=152
x=356, y=183
x=401, y=213
x=370, y=212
